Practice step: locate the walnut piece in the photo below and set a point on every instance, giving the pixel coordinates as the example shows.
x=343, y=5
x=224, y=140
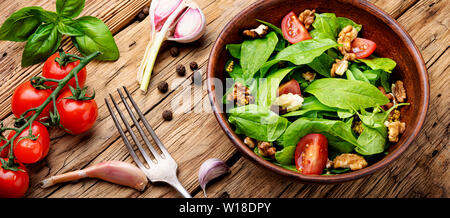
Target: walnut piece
x=395, y=129
x=346, y=36
x=308, y=76
x=256, y=33
x=307, y=18
x=399, y=91
x=240, y=94
x=339, y=67
x=352, y=161
x=266, y=149
x=249, y=142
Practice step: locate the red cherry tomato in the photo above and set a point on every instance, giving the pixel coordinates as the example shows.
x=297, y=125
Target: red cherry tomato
x=26, y=97
x=31, y=151
x=5, y=151
x=52, y=70
x=293, y=30
x=76, y=116
x=363, y=48
x=13, y=184
x=290, y=87
x=311, y=154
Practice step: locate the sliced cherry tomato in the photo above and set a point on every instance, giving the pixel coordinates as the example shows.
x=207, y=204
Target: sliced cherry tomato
x=31, y=151
x=53, y=70
x=26, y=97
x=363, y=48
x=77, y=116
x=293, y=30
x=13, y=184
x=290, y=87
x=311, y=154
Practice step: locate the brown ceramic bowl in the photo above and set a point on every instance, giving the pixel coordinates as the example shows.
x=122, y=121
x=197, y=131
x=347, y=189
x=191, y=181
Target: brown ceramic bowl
x=392, y=42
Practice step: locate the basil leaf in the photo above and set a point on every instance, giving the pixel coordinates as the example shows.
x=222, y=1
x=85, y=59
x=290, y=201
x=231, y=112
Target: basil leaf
x=69, y=8
x=385, y=64
x=97, y=37
x=346, y=94
x=69, y=27
x=46, y=16
x=300, y=53
x=267, y=88
x=254, y=53
x=43, y=43
x=343, y=22
x=235, y=50
x=256, y=122
x=20, y=25
x=286, y=155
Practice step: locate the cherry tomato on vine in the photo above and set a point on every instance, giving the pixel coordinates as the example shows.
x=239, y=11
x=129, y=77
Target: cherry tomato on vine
x=77, y=116
x=26, y=97
x=363, y=48
x=53, y=70
x=293, y=30
x=13, y=184
x=31, y=151
x=311, y=154
x=5, y=151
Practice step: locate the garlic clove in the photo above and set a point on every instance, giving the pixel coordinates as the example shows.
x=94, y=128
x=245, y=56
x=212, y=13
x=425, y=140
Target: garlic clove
x=211, y=169
x=162, y=10
x=190, y=27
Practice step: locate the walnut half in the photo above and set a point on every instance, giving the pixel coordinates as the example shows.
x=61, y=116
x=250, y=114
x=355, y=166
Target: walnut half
x=256, y=33
x=307, y=18
x=339, y=67
x=395, y=129
x=266, y=149
x=352, y=161
x=398, y=89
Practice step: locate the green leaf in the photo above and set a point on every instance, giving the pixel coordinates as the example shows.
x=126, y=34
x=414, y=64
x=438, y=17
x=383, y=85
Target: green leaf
x=358, y=75
x=288, y=167
x=69, y=8
x=256, y=122
x=267, y=88
x=385, y=64
x=346, y=94
x=310, y=104
x=43, y=43
x=69, y=27
x=322, y=64
x=343, y=22
x=254, y=53
x=20, y=25
x=300, y=53
x=46, y=16
x=273, y=27
x=327, y=25
x=235, y=50
x=338, y=133
x=97, y=37
x=285, y=156
x=237, y=72
x=372, y=141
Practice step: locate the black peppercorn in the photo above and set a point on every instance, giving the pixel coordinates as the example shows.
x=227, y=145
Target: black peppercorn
x=141, y=16
x=193, y=65
x=163, y=86
x=167, y=115
x=181, y=70
x=174, y=51
x=146, y=10
x=197, y=78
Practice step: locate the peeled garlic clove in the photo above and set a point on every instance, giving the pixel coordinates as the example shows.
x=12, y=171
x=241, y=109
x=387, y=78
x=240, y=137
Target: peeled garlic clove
x=190, y=27
x=211, y=169
x=162, y=10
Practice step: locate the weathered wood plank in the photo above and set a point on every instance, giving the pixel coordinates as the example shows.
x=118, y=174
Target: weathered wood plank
x=417, y=173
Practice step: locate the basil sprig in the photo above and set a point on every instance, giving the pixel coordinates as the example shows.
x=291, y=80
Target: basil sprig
x=44, y=29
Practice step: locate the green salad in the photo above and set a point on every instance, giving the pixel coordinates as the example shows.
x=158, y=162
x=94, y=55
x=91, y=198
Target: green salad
x=312, y=96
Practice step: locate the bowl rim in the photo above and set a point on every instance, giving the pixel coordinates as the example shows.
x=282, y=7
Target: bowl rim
x=249, y=154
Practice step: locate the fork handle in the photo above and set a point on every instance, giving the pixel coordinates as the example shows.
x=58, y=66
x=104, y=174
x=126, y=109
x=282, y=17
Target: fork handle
x=177, y=185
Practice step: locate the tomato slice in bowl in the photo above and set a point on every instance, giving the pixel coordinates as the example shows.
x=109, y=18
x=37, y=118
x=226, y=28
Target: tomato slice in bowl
x=363, y=48
x=311, y=154
x=293, y=30
x=290, y=87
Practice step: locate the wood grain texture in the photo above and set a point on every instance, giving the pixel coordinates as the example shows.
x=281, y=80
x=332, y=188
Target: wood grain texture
x=192, y=138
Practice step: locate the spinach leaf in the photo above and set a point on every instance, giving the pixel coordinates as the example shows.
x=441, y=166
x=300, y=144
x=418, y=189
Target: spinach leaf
x=343, y=22
x=43, y=43
x=346, y=94
x=358, y=75
x=285, y=156
x=275, y=28
x=349, y=75
x=372, y=141
x=322, y=64
x=20, y=25
x=345, y=113
x=97, y=37
x=69, y=27
x=372, y=75
x=288, y=167
x=385, y=64
x=267, y=88
x=281, y=41
x=338, y=133
x=254, y=53
x=327, y=25
x=236, y=73
x=300, y=53
x=69, y=8
x=310, y=104
x=384, y=80
x=235, y=50
x=256, y=122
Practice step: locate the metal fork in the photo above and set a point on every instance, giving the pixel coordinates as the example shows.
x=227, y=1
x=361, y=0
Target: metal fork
x=164, y=167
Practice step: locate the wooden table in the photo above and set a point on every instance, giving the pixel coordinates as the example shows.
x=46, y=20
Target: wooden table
x=422, y=171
